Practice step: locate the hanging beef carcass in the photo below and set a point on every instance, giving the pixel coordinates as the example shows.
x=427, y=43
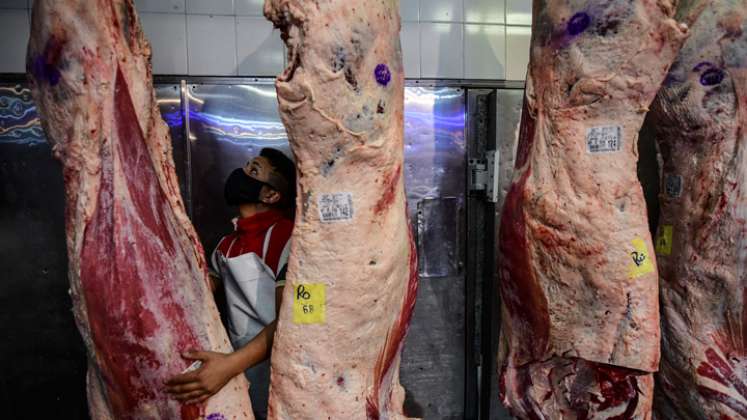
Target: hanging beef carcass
x=700, y=117
x=580, y=330
x=137, y=271
x=352, y=273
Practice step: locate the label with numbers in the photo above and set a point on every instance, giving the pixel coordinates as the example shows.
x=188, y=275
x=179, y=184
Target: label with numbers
x=335, y=207
x=640, y=260
x=673, y=185
x=604, y=139
x=309, y=303
x=664, y=240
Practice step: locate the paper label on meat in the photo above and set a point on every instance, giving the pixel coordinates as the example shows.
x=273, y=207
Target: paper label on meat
x=604, y=139
x=640, y=260
x=673, y=185
x=664, y=240
x=309, y=303
x=336, y=207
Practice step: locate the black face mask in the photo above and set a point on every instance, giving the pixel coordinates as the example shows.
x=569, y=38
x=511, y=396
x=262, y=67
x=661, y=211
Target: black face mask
x=241, y=188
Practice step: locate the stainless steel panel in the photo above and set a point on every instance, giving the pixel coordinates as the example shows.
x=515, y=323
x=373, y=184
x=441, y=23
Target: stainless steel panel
x=433, y=361
x=228, y=125
x=438, y=237
x=507, y=119
x=42, y=373
x=170, y=105
x=435, y=163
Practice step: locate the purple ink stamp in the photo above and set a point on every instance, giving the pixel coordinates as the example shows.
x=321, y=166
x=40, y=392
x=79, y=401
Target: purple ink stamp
x=702, y=66
x=44, y=66
x=578, y=23
x=44, y=71
x=711, y=77
x=383, y=76
x=215, y=416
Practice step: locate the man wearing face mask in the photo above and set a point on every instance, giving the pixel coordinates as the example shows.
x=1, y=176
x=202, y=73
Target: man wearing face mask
x=251, y=263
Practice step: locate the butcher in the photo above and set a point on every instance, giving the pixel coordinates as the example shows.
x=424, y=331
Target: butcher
x=250, y=263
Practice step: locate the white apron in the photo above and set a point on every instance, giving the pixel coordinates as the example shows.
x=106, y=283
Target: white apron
x=250, y=297
x=250, y=293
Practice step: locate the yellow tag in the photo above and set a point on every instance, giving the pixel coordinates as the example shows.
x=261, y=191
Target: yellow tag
x=309, y=302
x=640, y=263
x=664, y=240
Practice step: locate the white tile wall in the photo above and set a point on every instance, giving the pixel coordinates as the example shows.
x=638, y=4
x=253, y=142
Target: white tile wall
x=441, y=50
x=410, y=39
x=485, y=11
x=441, y=10
x=14, y=36
x=167, y=34
x=250, y=7
x=260, y=49
x=163, y=6
x=517, y=47
x=484, y=51
x=211, y=7
x=518, y=12
x=409, y=10
x=440, y=38
x=212, y=45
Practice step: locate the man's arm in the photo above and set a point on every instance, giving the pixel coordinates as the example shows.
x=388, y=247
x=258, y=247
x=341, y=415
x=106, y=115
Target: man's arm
x=219, y=368
x=214, y=281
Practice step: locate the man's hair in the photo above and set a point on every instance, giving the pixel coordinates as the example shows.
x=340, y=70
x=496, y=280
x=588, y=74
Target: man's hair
x=286, y=169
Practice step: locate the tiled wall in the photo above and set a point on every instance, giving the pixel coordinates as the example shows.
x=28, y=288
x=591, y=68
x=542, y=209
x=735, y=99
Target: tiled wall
x=444, y=39
x=466, y=39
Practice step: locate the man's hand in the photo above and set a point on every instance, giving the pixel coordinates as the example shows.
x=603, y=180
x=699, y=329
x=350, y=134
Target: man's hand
x=197, y=386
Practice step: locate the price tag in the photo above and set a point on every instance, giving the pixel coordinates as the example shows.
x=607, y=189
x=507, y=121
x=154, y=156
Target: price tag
x=664, y=240
x=309, y=303
x=337, y=207
x=604, y=139
x=640, y=263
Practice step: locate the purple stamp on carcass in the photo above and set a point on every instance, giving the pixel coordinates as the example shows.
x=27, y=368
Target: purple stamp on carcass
x=711, y=77
x=215, y=416
x=383, y=76
x=45, y=66
x=703, y=66
x=578, y=23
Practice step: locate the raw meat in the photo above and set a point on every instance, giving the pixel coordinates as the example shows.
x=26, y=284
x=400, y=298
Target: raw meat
x=341, y=100
x=579, y=289
x=137, y=271
x=700, y=117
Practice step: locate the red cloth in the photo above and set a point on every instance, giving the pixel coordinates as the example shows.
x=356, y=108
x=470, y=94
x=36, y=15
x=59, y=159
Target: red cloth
x=250, y=236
